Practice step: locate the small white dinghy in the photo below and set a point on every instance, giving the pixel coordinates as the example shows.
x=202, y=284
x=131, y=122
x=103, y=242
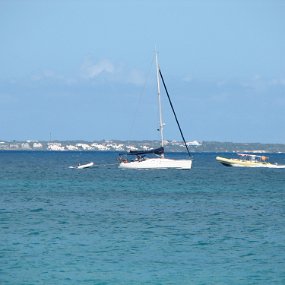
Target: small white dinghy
x=87, y=165
x=82, y=166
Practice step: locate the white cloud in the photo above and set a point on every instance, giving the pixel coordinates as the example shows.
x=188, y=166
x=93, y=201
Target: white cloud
x=45, y=74
x=114, y=73
x=136, y=77
x=259, y=83
x=91, y=70
x=50, y=75
x=278, y=82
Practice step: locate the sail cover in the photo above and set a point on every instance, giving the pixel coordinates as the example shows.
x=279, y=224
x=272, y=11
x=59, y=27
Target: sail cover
x=158, y=151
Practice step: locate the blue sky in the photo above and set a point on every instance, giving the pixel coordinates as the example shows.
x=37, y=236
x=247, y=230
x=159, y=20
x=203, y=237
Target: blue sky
x=81, y=69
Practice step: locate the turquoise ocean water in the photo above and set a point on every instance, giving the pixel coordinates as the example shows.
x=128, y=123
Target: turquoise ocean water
x=210, y=225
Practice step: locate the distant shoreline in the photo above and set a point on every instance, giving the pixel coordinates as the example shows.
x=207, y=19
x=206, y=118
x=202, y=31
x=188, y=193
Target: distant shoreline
x=117, y=151
x=124, y=146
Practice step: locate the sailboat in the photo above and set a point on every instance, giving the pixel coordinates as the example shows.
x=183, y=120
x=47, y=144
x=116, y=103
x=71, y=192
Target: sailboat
x=159, y=161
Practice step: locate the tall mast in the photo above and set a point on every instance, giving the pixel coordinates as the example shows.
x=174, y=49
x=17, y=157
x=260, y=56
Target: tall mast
x=159, y=101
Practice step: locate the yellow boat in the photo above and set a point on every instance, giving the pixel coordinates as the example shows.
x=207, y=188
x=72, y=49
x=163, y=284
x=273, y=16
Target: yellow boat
x=248, y=160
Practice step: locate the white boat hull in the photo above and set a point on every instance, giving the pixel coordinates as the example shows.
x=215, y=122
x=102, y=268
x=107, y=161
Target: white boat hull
x=157, y=163
x=87, y=165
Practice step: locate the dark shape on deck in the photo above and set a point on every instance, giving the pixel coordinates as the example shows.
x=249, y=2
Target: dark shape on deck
x=158, y=151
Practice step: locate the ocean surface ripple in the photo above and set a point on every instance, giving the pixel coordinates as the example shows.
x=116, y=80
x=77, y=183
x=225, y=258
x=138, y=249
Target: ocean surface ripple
x=104, y=225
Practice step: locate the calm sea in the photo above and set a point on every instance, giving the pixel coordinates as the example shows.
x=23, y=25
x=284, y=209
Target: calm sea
x=209, y=225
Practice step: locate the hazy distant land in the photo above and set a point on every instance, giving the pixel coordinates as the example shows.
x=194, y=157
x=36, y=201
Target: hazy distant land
x=122, y=146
